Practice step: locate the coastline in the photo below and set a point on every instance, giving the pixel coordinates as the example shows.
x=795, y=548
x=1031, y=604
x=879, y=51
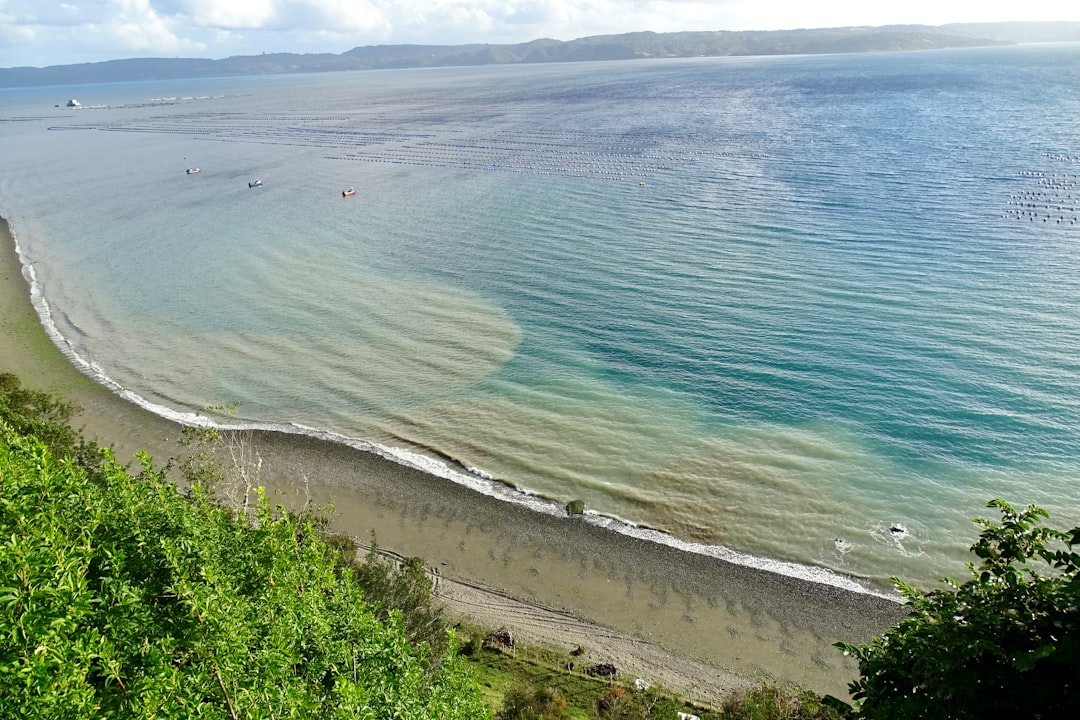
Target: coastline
x=730, y=621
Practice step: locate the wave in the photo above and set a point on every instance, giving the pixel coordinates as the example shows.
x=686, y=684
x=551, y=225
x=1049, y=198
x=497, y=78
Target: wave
x=444, y=466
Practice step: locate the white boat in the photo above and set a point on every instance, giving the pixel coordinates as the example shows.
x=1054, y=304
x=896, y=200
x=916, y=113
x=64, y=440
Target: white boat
x=348, y=192
x=255, y=183
x=192, y=171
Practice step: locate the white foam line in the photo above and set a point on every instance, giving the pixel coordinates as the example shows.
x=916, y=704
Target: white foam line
x=475, y=479
x=485, y=483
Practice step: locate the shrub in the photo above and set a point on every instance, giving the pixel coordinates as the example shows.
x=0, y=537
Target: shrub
x=32, y=412
x=403, y=586
x=622, y=703
x=771, y=702
x=1003, y=644
x=528, y=702
x=122, y=598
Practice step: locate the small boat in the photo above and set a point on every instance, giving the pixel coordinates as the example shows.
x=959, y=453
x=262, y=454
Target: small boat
x=192, y=171
x=347, y=192
x=255, y=183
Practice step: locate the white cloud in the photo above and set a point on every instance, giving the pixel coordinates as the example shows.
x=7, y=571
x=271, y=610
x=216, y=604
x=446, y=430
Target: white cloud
x=335, y=16
x=35, y=12
x=228, y=14
x=762, y=14
x=137, y=27
x=40, y=32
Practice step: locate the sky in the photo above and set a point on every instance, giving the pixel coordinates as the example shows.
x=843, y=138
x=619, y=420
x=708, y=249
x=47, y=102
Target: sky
x=39, y=33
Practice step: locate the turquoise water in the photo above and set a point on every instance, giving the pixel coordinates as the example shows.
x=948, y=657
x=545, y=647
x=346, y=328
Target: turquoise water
x=780, y=307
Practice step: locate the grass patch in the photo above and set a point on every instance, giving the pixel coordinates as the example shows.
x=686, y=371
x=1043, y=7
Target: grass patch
x=500, y=672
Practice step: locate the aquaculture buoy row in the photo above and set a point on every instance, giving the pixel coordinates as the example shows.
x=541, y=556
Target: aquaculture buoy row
x=600, y=174
x=1061, y=157
x=1034, y=216
x=433, y=139
x=1049, y=201
x=1034, y=206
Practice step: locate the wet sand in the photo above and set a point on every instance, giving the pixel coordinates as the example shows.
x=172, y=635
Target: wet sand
x=753, y=623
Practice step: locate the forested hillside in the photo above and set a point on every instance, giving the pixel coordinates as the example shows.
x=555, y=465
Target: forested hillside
x=626, y=46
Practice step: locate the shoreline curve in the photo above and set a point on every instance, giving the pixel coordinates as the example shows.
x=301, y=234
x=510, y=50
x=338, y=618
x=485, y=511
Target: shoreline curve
x=756, y=617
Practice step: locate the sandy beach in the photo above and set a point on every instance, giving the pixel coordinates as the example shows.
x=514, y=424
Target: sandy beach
x=696, y=624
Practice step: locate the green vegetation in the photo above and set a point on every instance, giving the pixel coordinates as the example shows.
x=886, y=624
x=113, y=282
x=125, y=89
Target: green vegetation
x=122, y=598
x=533, y=702
x=597, y=47
x=535, y=683
x=771, y=702
x=1003, y=644
x=31, y=412
x=403, y=588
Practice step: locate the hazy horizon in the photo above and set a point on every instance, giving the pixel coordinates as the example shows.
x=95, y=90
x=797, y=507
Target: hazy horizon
x=35, y=34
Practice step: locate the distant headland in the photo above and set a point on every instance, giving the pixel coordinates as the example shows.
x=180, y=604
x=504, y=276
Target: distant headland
x=627, y=46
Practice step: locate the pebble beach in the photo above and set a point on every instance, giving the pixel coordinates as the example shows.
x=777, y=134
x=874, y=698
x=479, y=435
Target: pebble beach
x=745, y=622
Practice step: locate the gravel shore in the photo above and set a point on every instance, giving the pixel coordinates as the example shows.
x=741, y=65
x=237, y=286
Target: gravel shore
x=697, y=624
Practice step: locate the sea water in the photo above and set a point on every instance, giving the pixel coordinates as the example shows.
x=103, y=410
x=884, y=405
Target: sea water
x=809, y=312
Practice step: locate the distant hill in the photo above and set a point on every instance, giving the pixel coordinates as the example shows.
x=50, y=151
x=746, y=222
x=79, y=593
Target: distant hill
x=600, y=47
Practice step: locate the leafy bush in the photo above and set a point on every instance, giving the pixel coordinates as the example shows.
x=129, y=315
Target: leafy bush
x=403, y=587
x=772, y=702
x=32, y=412
x=1003, y=644
x=226, y=462
x=528, y=702
x=624, y=703
x=122, y=598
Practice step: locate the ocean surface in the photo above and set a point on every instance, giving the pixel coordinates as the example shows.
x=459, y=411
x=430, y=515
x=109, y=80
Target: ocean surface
x=809, y=313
